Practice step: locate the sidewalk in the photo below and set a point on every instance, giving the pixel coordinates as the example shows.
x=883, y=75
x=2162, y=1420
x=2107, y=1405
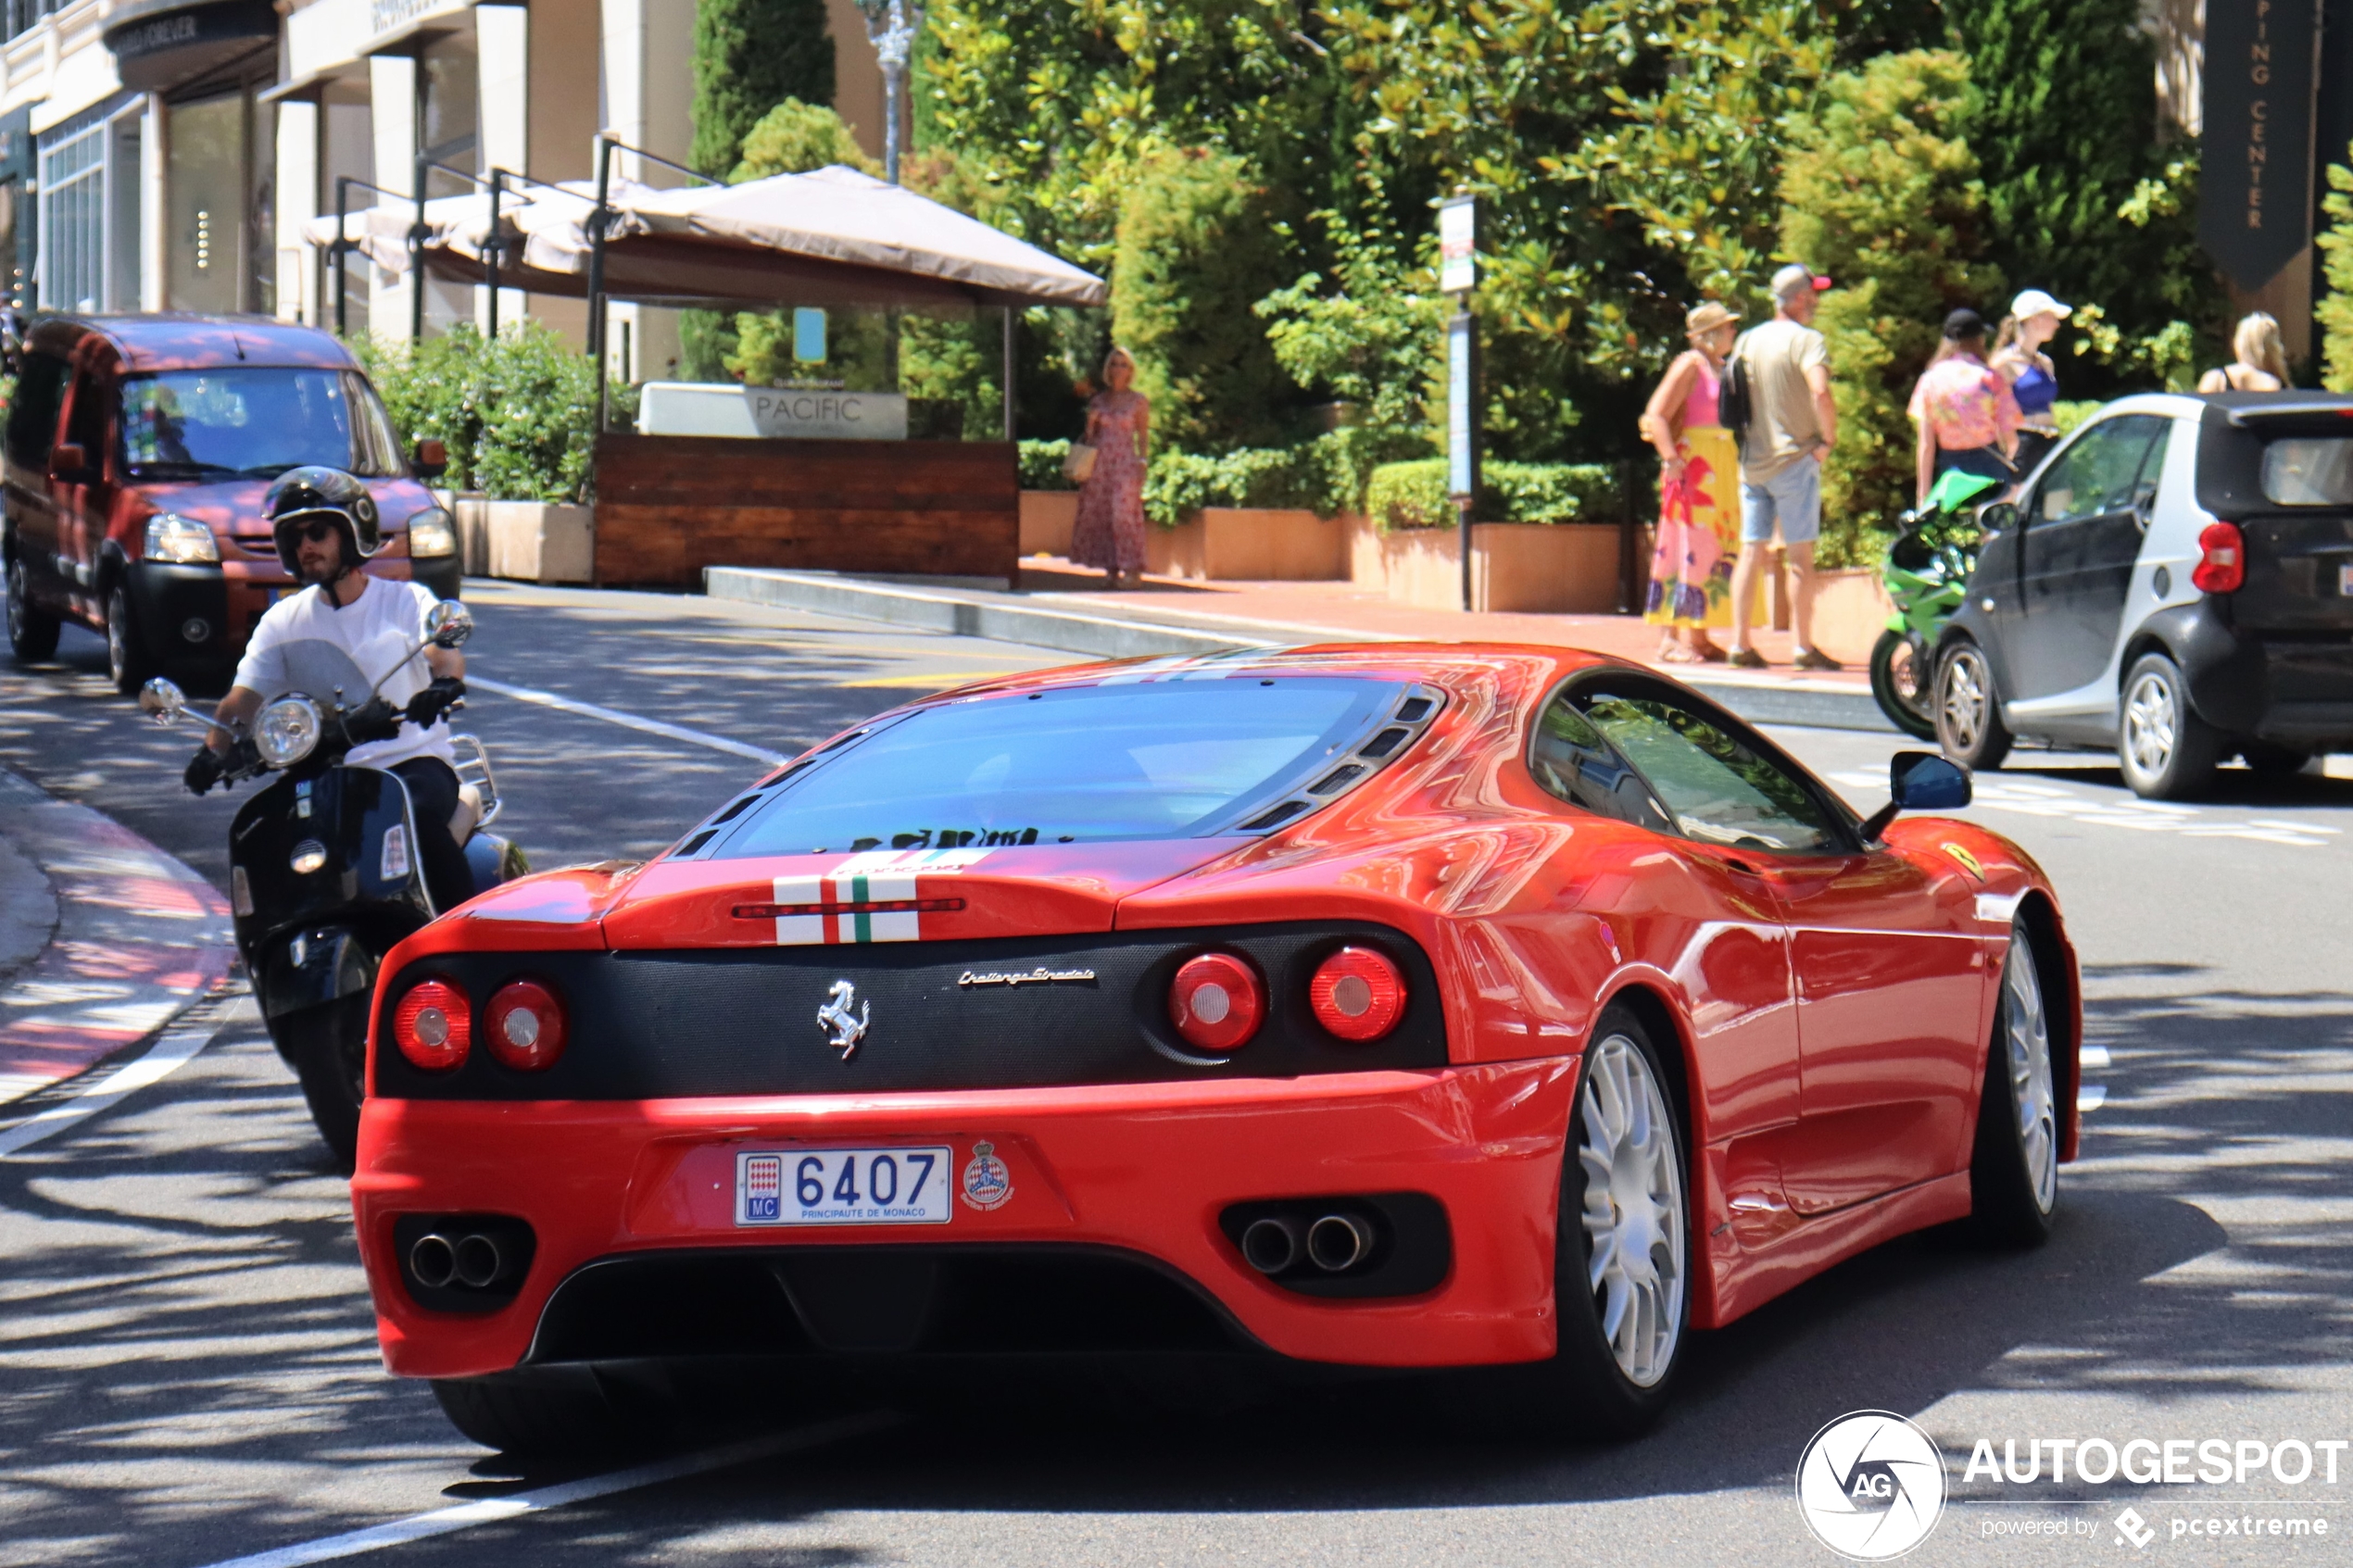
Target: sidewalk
x=104, y=938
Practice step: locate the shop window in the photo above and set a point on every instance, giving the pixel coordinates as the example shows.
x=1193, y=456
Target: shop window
x=205, y=196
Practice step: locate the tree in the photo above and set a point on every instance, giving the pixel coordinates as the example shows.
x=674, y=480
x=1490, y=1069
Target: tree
x=794, y=138
x=749, y=57
x=1880, y=194
x=2334, y=313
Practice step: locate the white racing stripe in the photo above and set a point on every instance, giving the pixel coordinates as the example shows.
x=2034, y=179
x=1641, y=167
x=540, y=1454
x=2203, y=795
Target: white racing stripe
x=465, y=1516
x=167, y=1056
x=628, y=721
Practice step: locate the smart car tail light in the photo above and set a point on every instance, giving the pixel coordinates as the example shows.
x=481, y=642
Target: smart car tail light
x=433, y=1025
x=1357, y=994
x=1217, y=1002
x=525, y=1026
x=2221, y=567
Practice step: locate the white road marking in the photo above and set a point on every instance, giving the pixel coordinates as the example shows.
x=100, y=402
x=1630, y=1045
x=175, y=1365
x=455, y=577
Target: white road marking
x=629, y=720
x=2092, y=1056
x=446, y=1520
x=167, y=1056
x=2091, y=1096
x=2033, y=797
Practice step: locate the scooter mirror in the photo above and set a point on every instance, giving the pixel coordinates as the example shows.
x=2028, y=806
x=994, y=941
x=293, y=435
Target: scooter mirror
x=162, y=700
x=1996, y=516
x=448, y=624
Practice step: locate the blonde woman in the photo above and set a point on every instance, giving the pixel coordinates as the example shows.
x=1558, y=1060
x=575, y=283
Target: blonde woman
x=2261, y=362
x=1698, y=513
x=1109, y=534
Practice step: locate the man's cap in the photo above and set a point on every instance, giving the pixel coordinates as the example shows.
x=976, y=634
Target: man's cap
x=1709, y=317
x=1964, y=323
x=2034, y=302
x=1794, y=280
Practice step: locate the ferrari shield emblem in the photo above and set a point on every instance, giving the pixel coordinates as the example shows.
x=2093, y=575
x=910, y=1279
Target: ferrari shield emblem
x=1968, y=861
x=986, y=1182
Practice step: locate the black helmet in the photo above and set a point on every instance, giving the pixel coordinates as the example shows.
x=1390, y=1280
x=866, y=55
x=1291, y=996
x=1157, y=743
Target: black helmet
x=304, y=494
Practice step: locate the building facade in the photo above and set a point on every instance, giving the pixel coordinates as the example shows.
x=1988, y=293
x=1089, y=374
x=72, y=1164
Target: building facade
x=163, y=155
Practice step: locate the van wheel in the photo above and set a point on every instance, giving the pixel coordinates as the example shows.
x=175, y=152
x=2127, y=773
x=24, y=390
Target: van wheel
x=2166, y=750
x=1968, y=709
x=32, y=637
x=128, y=662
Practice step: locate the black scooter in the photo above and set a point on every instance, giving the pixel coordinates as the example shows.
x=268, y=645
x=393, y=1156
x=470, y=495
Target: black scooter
x=325, y=875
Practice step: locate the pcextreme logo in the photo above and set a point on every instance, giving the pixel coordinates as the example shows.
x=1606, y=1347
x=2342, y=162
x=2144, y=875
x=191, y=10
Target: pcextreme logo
x=1871, y=1485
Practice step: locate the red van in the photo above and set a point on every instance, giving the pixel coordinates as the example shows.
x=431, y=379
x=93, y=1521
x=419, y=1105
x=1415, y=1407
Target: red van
x=138, y=450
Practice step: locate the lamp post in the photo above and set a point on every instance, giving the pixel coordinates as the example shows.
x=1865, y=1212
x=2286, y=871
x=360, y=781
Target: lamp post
x=891, y=26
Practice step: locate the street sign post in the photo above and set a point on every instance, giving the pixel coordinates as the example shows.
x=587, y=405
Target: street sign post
x=1458, y=275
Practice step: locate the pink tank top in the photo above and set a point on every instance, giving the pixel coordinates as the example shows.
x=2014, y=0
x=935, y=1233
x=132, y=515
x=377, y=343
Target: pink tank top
x=1699, y=404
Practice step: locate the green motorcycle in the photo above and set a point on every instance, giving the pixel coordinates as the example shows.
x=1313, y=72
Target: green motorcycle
x=1926, y=575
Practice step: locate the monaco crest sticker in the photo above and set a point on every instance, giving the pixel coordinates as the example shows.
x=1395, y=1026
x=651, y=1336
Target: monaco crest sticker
x=986, y=1182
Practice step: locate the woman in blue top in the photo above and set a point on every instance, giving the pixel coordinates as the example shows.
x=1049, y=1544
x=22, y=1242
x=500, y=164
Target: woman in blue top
x=2033, y=320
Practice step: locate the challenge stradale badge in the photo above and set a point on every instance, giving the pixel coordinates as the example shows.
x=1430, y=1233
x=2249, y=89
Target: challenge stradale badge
x=1967, y=860
x=986, y=1182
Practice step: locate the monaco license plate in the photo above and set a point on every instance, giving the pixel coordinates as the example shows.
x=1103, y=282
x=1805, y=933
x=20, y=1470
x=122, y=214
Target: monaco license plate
x=843, y=1187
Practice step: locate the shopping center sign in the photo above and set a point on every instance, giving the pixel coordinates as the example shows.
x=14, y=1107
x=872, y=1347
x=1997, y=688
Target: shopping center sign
x=2255, y=185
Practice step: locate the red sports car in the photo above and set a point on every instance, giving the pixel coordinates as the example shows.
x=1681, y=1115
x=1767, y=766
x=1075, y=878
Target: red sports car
x=1400, y=1005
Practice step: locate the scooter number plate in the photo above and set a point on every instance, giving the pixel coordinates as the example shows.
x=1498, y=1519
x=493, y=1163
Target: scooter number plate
x=843, y=1187
x=2344, y=580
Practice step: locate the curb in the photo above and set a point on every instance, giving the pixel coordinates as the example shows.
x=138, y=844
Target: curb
x=138, y=936
x=1037, y=621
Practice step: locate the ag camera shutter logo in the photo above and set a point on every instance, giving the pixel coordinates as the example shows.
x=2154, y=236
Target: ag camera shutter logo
x=1871, y=1486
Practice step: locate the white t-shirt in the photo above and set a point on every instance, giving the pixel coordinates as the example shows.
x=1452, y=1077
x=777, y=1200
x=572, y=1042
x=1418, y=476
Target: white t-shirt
x=307, y=644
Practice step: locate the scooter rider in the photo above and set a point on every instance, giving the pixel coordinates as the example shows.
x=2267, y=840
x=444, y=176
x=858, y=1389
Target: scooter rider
x=325, y=525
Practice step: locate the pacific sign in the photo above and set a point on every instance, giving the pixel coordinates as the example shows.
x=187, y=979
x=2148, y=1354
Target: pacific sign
x=837, y=416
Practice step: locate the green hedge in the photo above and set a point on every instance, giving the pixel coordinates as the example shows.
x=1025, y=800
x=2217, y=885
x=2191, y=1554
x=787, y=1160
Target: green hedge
x=1180, y=483
x=515, y=414
x=1041, y=465
x=1414, y=495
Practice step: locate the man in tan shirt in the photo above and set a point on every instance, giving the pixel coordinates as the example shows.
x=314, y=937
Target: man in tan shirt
x=1791, y=424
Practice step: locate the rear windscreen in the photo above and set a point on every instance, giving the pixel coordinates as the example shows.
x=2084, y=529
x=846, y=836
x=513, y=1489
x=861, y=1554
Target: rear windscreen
x=1125, y=759
x=2309, y=471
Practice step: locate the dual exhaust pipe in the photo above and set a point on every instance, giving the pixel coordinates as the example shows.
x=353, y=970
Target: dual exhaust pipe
x=472, y=1260
x=1334, y=1243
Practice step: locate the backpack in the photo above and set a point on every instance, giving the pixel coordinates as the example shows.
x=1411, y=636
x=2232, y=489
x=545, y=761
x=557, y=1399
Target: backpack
x=1735, y=400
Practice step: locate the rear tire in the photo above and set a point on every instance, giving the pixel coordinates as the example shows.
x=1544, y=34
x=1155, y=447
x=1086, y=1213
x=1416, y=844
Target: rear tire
x=328, y=1046
x=558, y=1409
x=1904, y=687
x=2014, y=1169
x=2165, y=751
x=1968, y=709
x=128, y=662
x=1622, y=1255
x=33, y=635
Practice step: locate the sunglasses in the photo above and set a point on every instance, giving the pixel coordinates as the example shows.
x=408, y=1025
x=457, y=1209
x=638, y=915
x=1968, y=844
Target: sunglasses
x=317, y=532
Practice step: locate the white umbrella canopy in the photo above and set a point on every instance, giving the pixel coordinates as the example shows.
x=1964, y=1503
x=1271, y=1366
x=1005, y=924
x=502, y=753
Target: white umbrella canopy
x=833, y=236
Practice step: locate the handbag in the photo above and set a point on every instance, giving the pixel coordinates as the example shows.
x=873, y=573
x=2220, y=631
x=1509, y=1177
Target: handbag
x=1079, y=463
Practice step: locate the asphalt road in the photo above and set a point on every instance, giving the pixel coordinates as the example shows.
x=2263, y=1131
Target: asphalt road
x=188, y=1371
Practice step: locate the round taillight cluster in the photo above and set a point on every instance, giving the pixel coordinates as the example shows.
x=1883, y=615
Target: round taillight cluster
x=433, y=1025
x=1357, y=994
x=1217, y=1000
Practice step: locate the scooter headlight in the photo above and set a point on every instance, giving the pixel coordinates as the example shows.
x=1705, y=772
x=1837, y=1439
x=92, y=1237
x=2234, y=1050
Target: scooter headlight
x=287, y=731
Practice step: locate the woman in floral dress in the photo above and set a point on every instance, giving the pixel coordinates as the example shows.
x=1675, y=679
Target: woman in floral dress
x=1698, y=504
x=1110, y=530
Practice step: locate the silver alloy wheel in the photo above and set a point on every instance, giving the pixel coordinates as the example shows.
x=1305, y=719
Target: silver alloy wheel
x=2152, y=723
x=1964, y=695
x=2026, y=1037
x=1634, y=1233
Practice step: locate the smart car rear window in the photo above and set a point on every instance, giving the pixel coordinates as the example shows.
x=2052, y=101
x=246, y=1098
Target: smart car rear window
x=1118, y=760
x=2309, y=471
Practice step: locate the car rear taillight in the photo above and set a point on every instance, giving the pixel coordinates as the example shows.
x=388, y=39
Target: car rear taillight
x=1357, y=994
x=1217, y=1002
x=2221, y=567
x=433, y=1026
x=525, y=1026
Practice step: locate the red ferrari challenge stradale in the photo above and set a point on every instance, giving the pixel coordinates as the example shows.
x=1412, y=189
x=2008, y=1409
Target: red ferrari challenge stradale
x=1408, y=1006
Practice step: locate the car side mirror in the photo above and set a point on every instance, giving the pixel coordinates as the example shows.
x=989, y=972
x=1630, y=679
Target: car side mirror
x=1919, y=781
x=1997, y=515
x=67, y=460
x=432, y=457
x=448, y=624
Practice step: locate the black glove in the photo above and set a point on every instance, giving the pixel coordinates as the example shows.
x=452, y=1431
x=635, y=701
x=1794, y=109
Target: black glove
x=204, y=770
x=373, y=720
x=430, y=706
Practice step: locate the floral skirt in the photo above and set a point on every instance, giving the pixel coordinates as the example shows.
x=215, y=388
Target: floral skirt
x=1699, y=535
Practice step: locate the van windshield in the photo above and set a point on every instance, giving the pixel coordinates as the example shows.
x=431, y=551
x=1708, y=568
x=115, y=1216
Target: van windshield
x=253, y=424
x=2309, y=471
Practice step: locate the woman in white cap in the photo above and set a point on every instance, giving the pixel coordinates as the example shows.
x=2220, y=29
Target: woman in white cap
x=2033, y=320
x=1698, y=513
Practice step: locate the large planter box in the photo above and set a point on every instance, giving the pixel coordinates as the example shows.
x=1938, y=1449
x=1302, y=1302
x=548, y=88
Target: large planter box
x=539, y=541
x=1525, y=567
x=1251, y=544
x=1047, y=518
x=1850, y=611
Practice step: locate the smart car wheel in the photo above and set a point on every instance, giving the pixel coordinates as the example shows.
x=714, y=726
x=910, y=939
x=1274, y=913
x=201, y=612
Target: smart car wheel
x=2014, y=1171
x=1968, y=709
x=126, y=660
x=2166, y=750
x=32, y=637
